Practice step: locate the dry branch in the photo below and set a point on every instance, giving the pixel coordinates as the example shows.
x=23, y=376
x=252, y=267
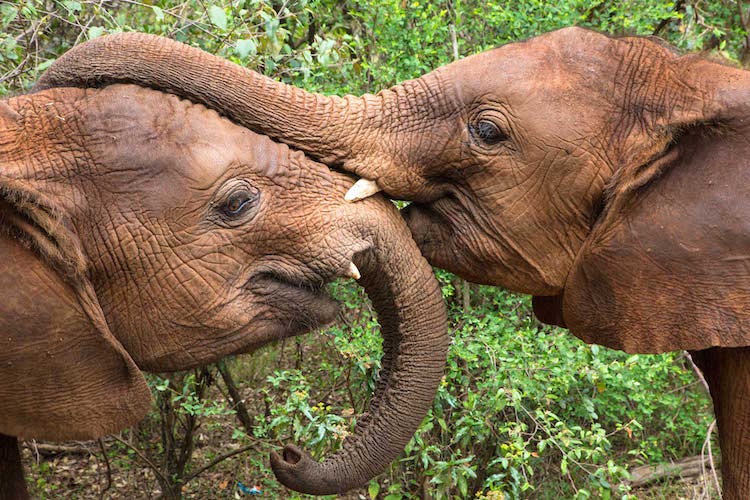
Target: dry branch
x=45, y=448
x=687, y=467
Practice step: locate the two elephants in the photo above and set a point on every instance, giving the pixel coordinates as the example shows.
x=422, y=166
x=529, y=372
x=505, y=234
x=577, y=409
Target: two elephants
x=605, y=176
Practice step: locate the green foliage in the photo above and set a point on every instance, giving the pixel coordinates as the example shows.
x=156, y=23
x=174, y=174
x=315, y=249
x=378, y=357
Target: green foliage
x=522, y=403
x=349, y=46
x=184, y=394
x=524, y=410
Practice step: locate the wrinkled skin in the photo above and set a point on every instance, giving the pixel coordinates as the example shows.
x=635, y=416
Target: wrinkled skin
x=141, y=231
x=606, y=176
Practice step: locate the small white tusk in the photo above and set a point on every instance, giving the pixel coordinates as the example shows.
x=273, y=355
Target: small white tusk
x=352, y=271
x=361, y=190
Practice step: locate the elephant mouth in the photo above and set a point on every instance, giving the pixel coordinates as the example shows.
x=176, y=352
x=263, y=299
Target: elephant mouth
x=301, y=304
x=427, y=227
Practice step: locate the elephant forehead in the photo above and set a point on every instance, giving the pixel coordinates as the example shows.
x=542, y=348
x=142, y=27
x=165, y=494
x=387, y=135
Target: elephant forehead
x=550, y=67
x=136, y=128
x=215, y=143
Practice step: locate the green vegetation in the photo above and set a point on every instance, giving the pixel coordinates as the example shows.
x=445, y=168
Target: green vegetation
x=525, y=410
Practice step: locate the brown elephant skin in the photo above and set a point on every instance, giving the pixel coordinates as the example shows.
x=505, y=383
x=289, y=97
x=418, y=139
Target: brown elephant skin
x=142, y=231
x=606, y=176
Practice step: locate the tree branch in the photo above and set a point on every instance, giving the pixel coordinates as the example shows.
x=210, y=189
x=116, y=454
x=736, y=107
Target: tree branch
x=151, y=464
x=216, y=460
x=236, y=398
x=109, y=469
x=665, y=21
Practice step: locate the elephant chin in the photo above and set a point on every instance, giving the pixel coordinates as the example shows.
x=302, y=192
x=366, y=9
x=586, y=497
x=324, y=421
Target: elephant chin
x=298, y=308
x=287, y=310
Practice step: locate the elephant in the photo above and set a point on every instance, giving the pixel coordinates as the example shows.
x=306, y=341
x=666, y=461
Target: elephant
x=605, y=176
x=142, y=231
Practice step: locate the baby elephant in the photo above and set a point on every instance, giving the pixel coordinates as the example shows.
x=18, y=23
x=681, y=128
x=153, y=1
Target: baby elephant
x=141, y=231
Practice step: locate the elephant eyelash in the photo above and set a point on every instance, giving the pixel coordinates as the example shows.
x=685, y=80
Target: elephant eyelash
x=235, y=205
x=238, y=203
x=487, y=133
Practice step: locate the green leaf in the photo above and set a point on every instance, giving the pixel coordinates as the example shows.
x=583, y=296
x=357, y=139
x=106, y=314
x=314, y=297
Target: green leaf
x=443, y=425
x=462, y=486
x=9, y=14
x=10, y=45
x=373, y=489
x=217, y=16
x=46, y=64
x=95, y=32
x=272, y=27
x=158, y=12
x=246, y=47
x=72, y=6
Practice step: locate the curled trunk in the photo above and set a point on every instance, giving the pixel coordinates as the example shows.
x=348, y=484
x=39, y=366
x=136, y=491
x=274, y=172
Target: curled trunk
x=410, y=309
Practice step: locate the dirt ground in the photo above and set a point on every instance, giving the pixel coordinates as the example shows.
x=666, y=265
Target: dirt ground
x=82, y=474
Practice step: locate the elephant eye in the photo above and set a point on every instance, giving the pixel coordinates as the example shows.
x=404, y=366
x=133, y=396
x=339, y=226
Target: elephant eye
x=488, y=133
x=238, y=203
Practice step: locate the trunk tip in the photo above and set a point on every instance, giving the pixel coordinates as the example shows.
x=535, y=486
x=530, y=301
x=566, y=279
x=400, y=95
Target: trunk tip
x=297, y=470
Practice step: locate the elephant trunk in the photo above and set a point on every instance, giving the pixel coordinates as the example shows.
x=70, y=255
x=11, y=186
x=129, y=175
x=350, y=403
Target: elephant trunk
x=364, y=135
x=412, y=316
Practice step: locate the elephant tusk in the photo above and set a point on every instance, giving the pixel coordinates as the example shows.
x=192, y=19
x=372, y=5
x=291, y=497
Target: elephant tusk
x=361, y=189
x=352, y=271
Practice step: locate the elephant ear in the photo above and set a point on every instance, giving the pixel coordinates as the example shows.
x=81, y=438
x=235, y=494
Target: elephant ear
x=667, y=265
x=63, y=375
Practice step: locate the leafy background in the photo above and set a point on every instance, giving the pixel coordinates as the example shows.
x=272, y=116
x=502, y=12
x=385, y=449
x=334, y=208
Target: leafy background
x=525, y=410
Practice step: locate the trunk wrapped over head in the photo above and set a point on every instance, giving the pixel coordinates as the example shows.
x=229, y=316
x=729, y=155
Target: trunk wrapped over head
x=311, y=122
x=355, y=133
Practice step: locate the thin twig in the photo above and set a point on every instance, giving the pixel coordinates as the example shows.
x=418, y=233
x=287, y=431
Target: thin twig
x=234, y=397
x=84, y=29
x=58, y=448
x=697, y=371
x=143, y=457
x=216, y=460
x=109, y=468
x=19, y=69
x=711, y=458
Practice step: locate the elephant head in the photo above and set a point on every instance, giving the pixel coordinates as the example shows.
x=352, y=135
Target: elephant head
x=144, y=231
x=566, y=166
